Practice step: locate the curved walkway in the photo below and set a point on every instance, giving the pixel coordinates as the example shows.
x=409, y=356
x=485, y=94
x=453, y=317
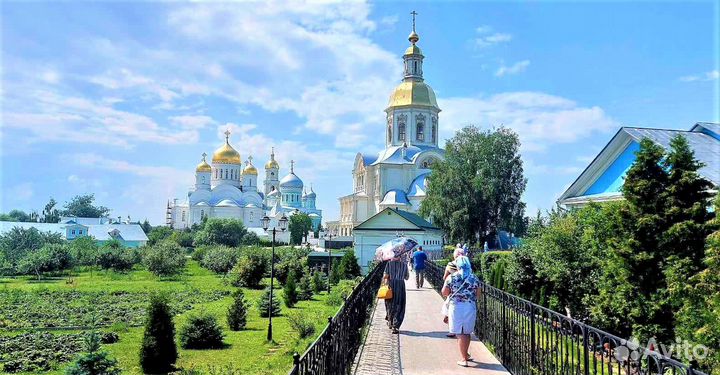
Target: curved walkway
x=421, y=348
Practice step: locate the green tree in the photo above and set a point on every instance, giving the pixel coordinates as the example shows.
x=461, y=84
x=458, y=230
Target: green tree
x=237, y=312
x=50, y=214
x=94, y=361
x=84, y=250
x=305, y=291
x=15, y=215
x=300, y=224
x=349, y=267
x=158, y=353
x=17, y=242
x=249, y=270
x=159, y=234
x=113, y=255
x=219, y=259
x=318, y=283
x=84, y=206
x=290, y=293
x=49, y=258
x=335, y=273
x=264, y=306
x=146, y=227
x=228, y=232
x=476, y=190
x=164, y=259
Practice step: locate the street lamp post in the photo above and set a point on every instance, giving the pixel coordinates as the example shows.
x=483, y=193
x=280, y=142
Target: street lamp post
x=329, y=237
x=282, y=223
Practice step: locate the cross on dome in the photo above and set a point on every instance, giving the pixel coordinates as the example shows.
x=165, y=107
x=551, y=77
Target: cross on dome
x=414, y=13
x=250, y=159
x=204, y=155
x=292, y=166
x=414, y=37
x=227, y=135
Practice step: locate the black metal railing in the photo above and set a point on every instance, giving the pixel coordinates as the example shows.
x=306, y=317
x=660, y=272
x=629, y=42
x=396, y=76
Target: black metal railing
x=333, y=352
x=529, y=339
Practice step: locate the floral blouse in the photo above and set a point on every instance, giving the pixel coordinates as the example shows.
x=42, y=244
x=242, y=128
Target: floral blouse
x=462, y=290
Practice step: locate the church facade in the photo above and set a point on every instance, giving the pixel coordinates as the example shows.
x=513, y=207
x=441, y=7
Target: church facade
x=397, y=176
x=228, y=188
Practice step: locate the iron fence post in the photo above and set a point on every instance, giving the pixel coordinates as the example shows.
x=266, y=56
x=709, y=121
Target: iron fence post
x=502, y=324
x=533, y=358
x=586, y=354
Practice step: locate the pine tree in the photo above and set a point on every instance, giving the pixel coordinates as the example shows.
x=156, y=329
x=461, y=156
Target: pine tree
x=158, y=353
x=335, y=275
x=318, y=284
x=290, y=294
x=264, y=303
x=237, y=312
x=305, y=291
x=94, y=361
x=349, y=267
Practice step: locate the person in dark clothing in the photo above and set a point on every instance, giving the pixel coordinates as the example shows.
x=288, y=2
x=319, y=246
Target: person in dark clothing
x=419, y=257
x=396, y=272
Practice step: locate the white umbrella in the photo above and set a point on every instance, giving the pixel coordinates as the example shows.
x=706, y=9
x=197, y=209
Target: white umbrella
x=395, y=248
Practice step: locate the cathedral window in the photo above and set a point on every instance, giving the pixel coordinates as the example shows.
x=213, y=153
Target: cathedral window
x=226, y=174
x=420, y=127
x=415, y=67
x=183, y=216
x=401, y=127
x=434, y=129
x=389, y=129
x=202, y=214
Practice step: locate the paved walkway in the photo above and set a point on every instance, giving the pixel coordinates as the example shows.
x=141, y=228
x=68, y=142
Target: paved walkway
x=421, y=348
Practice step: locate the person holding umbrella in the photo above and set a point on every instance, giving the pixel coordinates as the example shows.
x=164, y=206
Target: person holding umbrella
x=396, y=272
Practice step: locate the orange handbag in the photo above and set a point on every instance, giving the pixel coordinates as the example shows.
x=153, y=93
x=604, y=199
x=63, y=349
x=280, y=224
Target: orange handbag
x=385, y=292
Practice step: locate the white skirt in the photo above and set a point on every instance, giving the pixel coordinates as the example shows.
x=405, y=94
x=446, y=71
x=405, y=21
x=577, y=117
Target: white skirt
x=461, y=317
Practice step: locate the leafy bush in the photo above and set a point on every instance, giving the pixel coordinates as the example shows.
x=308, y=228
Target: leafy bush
x=159, y=234
x=318, y=282
x=217, y=231
x=219, y=259
x=249, y=270
x=182, y=238
x=290, y=294
x=113, y=255
x=199, y=253
x=237, y=312
x=158, y=353
x=164, y=259
x=201, y=332
x=263, y=305
x=300, y=323
x=49, y=258
x=349, y=267
x=84, y=251
x=341, y=291
x=94, y=361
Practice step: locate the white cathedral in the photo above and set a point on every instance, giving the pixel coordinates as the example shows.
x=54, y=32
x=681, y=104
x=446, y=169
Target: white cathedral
x=226, y=189
x=396, y=176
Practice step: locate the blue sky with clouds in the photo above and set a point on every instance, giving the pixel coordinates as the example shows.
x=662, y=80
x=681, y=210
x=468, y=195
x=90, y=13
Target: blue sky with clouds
x=120, y=99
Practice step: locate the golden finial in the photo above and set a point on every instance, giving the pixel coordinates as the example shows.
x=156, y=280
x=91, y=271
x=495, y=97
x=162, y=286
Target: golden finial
x=414, y=37
x=292, y=166
x=227, y=136
x=204, y=155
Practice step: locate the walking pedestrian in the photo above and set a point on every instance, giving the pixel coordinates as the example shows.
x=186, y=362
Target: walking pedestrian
x=462, y=289
x=451, y=268
x=396, y=272
x=418, y=259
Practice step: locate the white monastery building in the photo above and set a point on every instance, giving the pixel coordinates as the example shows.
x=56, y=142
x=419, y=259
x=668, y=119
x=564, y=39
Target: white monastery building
x=396, y=176
x=229, y=188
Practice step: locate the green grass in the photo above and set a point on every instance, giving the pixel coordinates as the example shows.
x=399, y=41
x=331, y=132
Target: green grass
x=247, y=351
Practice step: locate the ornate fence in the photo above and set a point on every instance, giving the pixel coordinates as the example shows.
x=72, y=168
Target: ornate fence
x=529, y=339
x=334, y=350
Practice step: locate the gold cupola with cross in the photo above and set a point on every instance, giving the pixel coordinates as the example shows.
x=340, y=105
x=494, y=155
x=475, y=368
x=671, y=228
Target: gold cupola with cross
x=412, y=111
x=226, y=154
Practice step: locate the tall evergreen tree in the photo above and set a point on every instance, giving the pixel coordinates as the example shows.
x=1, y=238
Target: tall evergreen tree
x=349, y=267
x=290, y=294
x=94, y=361
x=237, y=313
x=158, y=353
x=264, y=302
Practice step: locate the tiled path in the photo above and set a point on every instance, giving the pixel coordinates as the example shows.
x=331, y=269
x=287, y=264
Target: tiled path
x=421, y=348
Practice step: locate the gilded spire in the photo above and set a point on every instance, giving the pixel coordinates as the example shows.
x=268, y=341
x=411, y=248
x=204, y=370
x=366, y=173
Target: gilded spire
x=414, y=37
x=272, y=163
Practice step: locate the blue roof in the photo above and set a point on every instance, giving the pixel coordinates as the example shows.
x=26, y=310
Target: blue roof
x=128, y=232
x=395, y=197
x=418, y=187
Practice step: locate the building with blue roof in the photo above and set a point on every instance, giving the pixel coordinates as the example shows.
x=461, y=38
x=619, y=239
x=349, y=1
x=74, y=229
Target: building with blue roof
x=129, y=234
x=396, y=177
x=602, y=180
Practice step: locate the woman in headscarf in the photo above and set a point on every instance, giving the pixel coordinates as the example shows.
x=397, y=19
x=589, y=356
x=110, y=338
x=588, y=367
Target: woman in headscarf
x=463, y=290
x=396, y=272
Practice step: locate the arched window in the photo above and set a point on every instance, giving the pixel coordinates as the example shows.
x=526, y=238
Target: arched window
x=401, y=132
x=415, y=67
x=226, y=174
x=272, y=173
x=420, y=131
x=434, y=129
x=389, y=129
x=202, y=214
x=202, y=179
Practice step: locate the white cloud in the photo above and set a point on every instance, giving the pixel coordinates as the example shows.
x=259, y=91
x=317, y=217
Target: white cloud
x=516, y=68
x=389, y=21
x=712, y=75
x=192, y=121
x=486, y=37
x=532, y=168
x=539, y=119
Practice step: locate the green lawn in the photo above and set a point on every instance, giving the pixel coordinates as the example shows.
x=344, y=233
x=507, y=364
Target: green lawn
x=247, y=352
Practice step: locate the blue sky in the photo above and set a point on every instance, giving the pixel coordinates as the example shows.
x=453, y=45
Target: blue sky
x=120, y=99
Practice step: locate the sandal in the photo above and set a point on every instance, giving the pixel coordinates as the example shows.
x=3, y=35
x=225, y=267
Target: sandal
x=462, y=363
x=450, y=334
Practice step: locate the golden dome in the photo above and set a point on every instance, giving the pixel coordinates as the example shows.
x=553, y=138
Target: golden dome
x=226, y=154
x=203, y=166
x=413, y=37
x=413, y=50
x=250, y=168
x=272, y=163
x=413, y=93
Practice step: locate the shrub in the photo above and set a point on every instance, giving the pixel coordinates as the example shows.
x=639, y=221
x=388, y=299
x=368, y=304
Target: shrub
x=164, y=259
x=341, y=291
x=290, y=294
x=249, y=270
x=113, y=255
x=263, y=305
x=94, y=361
x=219, y=259
x=201, y=332
x=304, y=286
x=217, y=231
x=158, y=352
x=349, y=267
x=49, y=258
x=318, y=282
x=84, y=250
x=199, y=253
x=182, y=238
x=300, y=323
x=237, y=312
x=335, y=275
x=284, y=267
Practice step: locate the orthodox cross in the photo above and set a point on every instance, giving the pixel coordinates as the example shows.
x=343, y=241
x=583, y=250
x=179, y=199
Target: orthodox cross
x=227, y=135
x=414, y=13
x=292, y=166
x=204, y=155
x=250, y=159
